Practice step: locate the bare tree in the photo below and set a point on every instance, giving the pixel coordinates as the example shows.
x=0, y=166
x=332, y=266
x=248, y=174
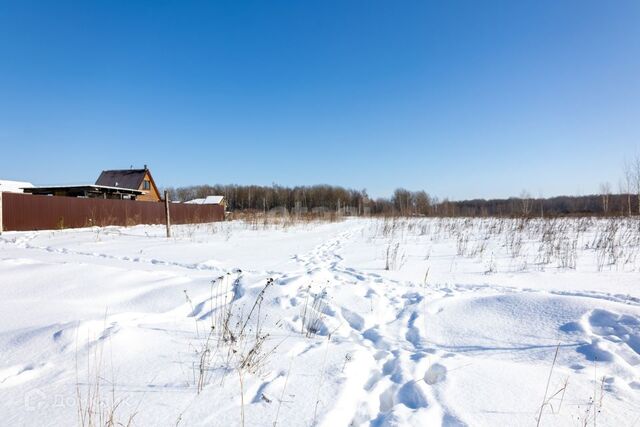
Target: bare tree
x=422, y=202
x=402, y=201
x=605, y=191
x=635, y=177
x=525, y=203
x=628, y=182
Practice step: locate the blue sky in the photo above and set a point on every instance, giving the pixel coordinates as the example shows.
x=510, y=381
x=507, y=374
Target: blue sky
x=461, y=98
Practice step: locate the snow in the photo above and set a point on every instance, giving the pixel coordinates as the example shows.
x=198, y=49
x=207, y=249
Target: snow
x=13, y=186
x=209, y=200
x=461, y=329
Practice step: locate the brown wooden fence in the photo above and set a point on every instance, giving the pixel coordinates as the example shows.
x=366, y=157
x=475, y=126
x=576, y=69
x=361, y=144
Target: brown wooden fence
x=21, y=212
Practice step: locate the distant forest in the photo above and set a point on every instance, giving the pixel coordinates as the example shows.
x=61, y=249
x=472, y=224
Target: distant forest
x=321, y=198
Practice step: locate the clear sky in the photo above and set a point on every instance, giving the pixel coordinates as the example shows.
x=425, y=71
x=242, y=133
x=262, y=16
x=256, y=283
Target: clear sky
x=461, y=98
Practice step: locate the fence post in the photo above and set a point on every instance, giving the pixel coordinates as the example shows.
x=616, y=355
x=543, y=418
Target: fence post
x=1, y=219
x=167, y=212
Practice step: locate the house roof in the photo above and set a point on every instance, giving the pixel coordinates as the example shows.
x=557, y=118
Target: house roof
x=13, y=186
x=82, y=187
x=122, y=178
x=213, y=200
x=209, y=200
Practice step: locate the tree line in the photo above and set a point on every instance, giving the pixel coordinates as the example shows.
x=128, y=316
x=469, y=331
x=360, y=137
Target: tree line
x=404, y=202
x=265, y=198
x=592, y=205
x=419, y=203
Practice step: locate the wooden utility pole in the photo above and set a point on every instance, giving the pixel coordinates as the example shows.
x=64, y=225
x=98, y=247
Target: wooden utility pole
x=167, y=212
x=1, y=225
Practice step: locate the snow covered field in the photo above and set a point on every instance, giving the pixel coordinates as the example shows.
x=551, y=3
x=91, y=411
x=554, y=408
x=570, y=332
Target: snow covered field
x=366, y=322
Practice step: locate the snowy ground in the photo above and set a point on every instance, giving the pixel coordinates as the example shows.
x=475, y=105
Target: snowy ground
x=367, y=322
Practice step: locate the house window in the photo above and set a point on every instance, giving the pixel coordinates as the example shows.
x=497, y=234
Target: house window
x=146, y=185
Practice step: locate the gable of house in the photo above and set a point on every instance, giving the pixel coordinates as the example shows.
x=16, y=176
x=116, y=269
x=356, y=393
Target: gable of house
x=136, y=179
